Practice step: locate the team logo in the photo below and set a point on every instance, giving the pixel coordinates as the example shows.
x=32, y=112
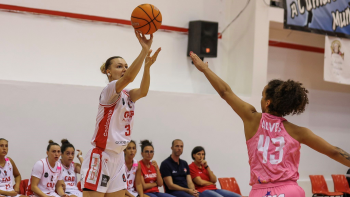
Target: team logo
x=129, y=104
x=51, y=177
x=124, y=178
x=46, y=175
x=123, y=101
x=105, y=180
x=185, y=170
x=68, y=172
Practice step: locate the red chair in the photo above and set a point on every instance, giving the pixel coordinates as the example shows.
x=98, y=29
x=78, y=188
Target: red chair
x=340, y=183
x=230, y=184
x=23, y=186
x=319, y=187
x=79, y=186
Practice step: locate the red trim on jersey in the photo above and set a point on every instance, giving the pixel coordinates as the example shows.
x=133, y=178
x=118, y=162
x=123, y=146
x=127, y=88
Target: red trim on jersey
x=89, y=185
x=126, y=93
x=103, y=128
x=112, y=103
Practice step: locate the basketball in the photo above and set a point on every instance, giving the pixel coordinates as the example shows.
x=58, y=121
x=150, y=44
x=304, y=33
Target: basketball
x=146, y=18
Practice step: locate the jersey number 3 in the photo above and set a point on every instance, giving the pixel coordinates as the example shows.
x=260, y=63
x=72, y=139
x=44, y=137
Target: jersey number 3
x=128, y=131
x=264, y=148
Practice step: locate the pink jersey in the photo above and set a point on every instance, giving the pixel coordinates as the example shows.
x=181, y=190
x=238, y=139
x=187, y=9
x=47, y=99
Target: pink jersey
x=273, y=154
x=114, y=120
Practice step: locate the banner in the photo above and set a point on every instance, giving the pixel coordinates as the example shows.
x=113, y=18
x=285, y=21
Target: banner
x=337, y=60
x=329, y=17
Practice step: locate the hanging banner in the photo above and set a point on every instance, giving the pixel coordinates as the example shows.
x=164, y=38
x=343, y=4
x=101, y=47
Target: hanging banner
x=329, y=17
x=337, y=60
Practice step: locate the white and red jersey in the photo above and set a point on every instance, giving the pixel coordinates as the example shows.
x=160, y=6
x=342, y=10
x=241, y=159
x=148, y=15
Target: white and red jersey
x=48, y=176
x=69, y=177
x=130, y=176
x=6, y=176
x=114, y=121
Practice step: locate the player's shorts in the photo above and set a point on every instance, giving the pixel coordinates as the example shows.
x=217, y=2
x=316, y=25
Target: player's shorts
x=75, y=193
x=278, y=189
x=103, y=171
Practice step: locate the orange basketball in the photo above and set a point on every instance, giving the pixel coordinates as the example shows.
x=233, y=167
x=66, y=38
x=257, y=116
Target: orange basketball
x=146, y=18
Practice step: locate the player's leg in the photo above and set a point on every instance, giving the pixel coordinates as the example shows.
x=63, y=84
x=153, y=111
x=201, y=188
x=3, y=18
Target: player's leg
x=92, y=194
x=120, y=193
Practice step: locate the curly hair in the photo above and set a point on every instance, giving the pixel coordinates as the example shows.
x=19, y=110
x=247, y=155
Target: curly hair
x=287, y=97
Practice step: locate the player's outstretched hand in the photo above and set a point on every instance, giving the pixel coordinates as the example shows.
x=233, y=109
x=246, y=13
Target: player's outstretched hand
x=150, y=60
x=200, y=65
x=145, y=43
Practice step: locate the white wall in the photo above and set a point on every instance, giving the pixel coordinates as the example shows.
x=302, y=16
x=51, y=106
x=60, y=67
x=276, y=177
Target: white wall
x=65, y=51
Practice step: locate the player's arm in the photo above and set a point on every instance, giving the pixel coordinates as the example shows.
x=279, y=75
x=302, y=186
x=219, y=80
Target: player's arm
x=135, y=67
x=199, y=181
x=212, y=176
x=138, y=183
x=147, y=185
x=136, y=94
x=59, y=188
x=34, y=187
x=17, y=176
x=169, y=182
x=307, y=137
x=190, y=185
x=243, y=109
x=8, y=193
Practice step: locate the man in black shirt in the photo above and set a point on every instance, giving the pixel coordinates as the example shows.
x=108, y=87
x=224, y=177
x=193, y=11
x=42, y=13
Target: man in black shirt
x=176, y=173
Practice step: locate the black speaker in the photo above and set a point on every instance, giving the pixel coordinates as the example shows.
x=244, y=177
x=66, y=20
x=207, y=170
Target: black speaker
x=203, y=38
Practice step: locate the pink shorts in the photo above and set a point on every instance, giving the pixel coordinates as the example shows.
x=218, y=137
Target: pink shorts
x=278, y=189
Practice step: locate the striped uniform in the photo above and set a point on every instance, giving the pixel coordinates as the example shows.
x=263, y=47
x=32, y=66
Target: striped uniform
x=48, y=177
x=70, y=179
x=274, y=160
x=6, y=176
x=130, y=176
x=103, y=167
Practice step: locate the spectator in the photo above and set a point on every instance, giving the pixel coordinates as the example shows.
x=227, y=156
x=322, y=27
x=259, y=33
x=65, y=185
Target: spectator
x=204, y=179
x=176, y=173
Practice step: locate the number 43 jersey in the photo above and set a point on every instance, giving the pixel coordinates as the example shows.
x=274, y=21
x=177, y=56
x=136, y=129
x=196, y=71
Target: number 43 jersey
x=114, y=121
x=273, y=154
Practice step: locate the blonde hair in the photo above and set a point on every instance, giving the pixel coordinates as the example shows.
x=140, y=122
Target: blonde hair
x=106, y=65
x=339, y=46
x=103, y=68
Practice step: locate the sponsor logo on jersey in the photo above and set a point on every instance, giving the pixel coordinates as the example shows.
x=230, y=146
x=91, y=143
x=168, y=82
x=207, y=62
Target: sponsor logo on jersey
x=122, y=142
x=153, y=175
x=123, y=101
x=5, y=172
x=110, y=113
x=68, y=172
x=94, y=169
x=129, y=104
x=105, y=180
x=46, y=175
x=51, y=177
x=174, y=171
x=128, y=176
x=124, y=179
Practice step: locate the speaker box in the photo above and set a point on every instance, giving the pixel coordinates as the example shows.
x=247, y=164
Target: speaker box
x=203, y=38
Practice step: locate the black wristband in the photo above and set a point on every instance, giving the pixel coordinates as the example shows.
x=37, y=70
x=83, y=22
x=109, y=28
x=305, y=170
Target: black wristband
x=206, y=167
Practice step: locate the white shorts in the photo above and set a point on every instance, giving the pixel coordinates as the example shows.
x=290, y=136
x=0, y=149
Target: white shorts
x=75, y=193
x=53, y=194
x=103, y=171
